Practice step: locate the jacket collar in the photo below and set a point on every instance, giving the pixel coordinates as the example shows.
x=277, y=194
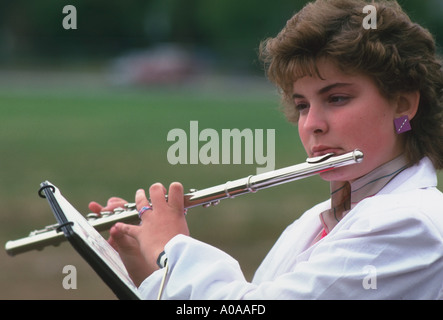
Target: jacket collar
x=392, y=177
x=419, y=176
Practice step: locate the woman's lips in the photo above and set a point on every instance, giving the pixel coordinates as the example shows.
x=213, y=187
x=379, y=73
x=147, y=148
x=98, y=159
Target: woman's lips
x=322, y=150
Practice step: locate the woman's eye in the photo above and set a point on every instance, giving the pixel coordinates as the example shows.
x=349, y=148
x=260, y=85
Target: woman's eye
x=339, y=100
x=301, y=106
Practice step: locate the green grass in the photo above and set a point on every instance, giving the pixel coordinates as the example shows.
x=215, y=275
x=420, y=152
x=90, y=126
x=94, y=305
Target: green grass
x=94, y=144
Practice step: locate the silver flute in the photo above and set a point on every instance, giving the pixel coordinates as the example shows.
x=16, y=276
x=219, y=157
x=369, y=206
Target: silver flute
x=38, y=239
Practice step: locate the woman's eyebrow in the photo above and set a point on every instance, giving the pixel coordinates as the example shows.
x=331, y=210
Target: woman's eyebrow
x=325, y=89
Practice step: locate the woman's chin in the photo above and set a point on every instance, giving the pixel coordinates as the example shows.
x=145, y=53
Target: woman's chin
x=347, y=173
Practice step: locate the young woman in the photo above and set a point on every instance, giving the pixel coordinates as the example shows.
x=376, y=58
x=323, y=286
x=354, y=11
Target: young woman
x=380, y=236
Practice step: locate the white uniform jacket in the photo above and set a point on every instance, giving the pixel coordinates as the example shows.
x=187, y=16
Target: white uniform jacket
x=389, y=246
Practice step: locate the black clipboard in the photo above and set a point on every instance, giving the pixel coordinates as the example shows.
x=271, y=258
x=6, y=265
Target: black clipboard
x=90, y=244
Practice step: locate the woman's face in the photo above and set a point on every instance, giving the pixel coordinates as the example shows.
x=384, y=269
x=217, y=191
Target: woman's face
x=340, y=113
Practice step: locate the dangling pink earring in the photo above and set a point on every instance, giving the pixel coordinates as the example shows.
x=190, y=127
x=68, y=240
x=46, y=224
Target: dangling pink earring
x=402, y=124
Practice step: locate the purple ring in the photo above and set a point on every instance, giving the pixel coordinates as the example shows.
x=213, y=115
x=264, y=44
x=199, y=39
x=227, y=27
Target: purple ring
x=143, y=210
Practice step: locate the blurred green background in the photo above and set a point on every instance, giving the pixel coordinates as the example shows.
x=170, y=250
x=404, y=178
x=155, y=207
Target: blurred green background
x=89, y=110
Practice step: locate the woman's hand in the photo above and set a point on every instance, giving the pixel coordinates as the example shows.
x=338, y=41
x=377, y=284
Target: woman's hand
x=164, y=221
x=129, y=251
x=112, y=204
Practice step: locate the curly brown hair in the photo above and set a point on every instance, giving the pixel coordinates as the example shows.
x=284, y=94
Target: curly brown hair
x=399, y=55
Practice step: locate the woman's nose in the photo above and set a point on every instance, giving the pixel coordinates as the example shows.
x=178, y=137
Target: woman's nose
x=315, y=121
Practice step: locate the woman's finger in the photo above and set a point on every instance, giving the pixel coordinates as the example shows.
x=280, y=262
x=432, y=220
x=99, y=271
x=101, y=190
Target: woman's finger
x=176, y=197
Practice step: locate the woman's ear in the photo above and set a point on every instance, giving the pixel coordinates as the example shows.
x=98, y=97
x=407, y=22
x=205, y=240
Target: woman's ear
x=407, y=104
